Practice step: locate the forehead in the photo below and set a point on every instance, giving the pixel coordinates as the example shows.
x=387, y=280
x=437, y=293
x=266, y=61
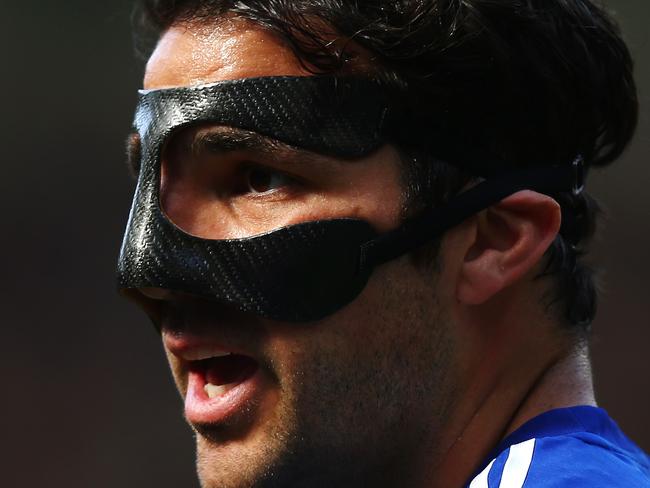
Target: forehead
x=196, y=53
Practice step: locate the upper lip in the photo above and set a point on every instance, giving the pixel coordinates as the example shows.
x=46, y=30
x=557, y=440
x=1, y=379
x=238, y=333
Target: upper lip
x=196, y=330
x=192, y=347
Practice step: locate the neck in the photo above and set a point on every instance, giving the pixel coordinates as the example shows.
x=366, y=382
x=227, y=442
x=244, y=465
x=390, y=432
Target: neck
x=567, y=382
x=545, y=378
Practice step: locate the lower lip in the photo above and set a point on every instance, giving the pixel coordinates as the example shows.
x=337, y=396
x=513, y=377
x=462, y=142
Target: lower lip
x=201, y=409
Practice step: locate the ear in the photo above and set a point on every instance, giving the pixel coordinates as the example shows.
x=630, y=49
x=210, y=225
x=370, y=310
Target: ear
x=510, y=239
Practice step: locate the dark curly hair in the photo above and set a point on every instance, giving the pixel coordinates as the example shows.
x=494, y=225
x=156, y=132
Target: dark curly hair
x=530, y=82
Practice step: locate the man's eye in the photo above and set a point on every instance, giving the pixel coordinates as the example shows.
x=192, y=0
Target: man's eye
x=259, y=180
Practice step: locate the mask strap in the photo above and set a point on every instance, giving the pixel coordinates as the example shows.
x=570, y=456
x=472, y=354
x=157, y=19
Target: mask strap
x=433, y=223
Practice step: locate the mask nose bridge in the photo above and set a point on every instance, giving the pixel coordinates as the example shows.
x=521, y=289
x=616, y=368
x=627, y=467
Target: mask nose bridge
x=158, y=119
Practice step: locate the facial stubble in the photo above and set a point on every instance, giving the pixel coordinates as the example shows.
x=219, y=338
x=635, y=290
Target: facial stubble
x=354, y=412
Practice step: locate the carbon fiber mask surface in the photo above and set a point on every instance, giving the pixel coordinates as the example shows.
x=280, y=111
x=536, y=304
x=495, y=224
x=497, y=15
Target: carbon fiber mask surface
x=302, y=272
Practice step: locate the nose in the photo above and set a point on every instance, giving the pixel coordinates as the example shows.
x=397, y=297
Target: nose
x=153, y=301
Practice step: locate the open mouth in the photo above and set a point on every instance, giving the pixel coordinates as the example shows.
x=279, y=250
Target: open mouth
x=221, y=385
x=223, y=372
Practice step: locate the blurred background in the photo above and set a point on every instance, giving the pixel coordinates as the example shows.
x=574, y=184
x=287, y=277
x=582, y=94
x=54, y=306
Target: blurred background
x=87, y=401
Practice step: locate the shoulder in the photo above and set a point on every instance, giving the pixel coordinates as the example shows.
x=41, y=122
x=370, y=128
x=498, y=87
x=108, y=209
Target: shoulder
x=574, y=460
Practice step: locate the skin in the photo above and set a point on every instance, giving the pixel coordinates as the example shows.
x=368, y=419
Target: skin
x=412, y=383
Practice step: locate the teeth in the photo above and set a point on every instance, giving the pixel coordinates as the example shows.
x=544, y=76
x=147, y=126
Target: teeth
x=214, y=391
x=204, y=353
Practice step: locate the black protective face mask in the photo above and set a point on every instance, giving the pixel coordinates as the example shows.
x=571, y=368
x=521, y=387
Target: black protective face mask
x=302, y=272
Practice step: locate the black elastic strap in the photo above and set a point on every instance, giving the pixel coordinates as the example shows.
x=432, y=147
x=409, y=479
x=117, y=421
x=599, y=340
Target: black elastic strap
x=417, y=232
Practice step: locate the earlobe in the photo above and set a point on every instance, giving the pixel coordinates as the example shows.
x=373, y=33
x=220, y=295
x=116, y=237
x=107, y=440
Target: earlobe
x=510, y=239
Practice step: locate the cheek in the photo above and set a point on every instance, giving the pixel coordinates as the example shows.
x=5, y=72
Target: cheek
x=372, y=370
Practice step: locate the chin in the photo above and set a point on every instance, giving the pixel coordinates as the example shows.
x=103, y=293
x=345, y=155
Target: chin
x=251, y=461
x=226, y=466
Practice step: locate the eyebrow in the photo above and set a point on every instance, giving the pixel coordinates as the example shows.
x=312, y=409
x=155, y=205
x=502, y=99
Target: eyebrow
x=223, y=140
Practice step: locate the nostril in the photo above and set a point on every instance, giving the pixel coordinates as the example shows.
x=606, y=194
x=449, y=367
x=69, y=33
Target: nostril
x=156, y=293
x=153, y=307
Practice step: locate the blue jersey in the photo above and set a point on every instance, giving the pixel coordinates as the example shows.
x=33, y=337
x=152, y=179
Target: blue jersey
x=577, y=447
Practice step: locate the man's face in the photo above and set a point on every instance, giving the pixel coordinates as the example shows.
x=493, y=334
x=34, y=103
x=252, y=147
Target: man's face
x=346, y=401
